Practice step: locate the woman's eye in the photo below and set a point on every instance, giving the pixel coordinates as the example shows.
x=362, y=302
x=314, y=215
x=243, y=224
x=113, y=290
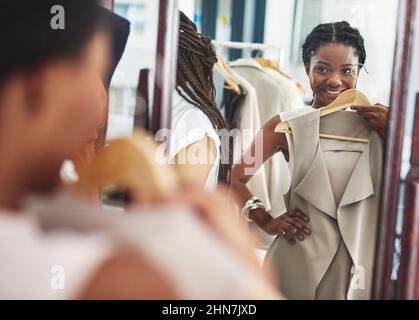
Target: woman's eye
x=322, y=69
x=347, y=72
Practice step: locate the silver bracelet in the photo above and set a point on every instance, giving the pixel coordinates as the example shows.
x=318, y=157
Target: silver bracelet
x=252, y=204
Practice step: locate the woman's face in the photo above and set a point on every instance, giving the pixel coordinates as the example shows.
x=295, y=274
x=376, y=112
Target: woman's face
x=81, y=102
x=64, y=107
x=333, y=69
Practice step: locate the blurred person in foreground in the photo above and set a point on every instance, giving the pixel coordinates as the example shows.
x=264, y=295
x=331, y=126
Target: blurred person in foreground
x=55, y=246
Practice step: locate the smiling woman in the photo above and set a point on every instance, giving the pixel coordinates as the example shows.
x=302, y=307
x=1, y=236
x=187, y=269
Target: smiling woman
x=331, y=72
x=333, y=55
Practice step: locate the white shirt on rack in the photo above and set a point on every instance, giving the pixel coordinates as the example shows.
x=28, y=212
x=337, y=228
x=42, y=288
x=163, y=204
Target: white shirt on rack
x=190, y=125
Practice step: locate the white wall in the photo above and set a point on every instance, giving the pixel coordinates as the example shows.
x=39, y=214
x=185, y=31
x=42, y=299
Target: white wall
x=377, y=21
x=188, y=7
x=279, y=26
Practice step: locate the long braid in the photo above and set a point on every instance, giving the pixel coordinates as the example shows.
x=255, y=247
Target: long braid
x=339, y=32
x=194, y=82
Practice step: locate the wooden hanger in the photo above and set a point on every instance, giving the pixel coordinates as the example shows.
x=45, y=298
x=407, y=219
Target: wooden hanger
x=232, y=82
x=231, y=85
x=343, y=101
x=129, y=164
x=301, y=89
x=265, y=63
x=228, y=69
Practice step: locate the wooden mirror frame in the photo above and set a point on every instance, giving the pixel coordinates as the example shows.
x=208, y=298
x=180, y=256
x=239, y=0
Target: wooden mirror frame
x=383, y=286
x=165, y=78
x=408, y=282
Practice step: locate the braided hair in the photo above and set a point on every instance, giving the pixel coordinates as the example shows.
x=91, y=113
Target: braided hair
x=196, y=58
x=338, y=32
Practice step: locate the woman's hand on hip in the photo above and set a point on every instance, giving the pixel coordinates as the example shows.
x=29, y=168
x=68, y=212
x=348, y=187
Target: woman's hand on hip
x=377, y=116
x=290, y=226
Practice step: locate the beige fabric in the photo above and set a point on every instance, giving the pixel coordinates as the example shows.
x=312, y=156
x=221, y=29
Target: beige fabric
x=340, y=271
x=343, y=226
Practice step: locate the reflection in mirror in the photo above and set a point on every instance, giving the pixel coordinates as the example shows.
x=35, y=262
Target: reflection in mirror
x=196, y=118
x=134, y=62
x=310, y=193
x=139, y=55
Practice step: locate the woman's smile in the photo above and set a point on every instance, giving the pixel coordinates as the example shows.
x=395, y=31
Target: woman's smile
x=332, y=94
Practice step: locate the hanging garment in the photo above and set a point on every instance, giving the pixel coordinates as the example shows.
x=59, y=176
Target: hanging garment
x=337, y=184
x=270, y=104
x=274, y=65
x=219, y=81
x=248, y=125
x=232, y=106
x=290, y=96
x=60, y=229
x=190, y=125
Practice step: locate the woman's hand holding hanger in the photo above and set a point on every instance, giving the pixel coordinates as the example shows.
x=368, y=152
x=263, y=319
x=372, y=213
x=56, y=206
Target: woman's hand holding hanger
x=377, y=116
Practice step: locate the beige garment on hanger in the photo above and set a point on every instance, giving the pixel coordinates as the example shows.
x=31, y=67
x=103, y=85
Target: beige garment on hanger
x=337, y=184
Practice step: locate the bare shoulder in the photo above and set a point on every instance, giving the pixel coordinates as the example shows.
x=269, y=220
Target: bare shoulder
x=274, y=141
x=272, y=123
x=196, y=160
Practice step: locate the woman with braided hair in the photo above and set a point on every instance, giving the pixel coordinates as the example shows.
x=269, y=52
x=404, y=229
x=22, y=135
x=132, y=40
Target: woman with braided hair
x=49, y=102
x=196, y=120
x=333, y=55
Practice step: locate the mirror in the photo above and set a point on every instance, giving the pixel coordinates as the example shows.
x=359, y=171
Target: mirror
x=261, y=78
x=136, y=54
x=139, y=54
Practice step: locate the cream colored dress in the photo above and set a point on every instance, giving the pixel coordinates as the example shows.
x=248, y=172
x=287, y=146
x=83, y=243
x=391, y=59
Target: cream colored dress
x=337, y=184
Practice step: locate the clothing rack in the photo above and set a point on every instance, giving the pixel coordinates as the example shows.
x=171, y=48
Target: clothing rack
x=275, y=53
